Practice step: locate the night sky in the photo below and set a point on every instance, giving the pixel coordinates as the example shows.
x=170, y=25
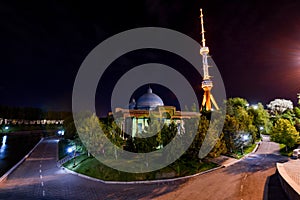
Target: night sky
x=254, y=43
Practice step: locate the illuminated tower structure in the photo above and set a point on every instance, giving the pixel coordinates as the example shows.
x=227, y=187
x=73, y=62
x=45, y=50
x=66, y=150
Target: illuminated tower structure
x=207, y=84
x=298, y=98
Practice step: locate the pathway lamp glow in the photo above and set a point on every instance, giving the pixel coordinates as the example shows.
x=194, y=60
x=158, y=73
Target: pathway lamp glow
x=255, y=106
x=71, y=149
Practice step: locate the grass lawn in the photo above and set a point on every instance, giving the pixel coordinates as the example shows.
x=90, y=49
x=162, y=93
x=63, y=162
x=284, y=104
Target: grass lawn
x=246, y=150
x=93, y=168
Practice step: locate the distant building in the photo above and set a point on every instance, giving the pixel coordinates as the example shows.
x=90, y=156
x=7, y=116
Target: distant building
x=135, y=120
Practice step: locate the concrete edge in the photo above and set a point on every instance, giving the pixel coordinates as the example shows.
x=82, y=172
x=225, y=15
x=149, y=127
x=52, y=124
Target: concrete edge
x=140, y=182
x=287, y=178
x=256, y=147
x=4, y=176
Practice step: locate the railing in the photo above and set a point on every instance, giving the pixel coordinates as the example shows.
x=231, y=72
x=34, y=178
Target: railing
x=65, y=159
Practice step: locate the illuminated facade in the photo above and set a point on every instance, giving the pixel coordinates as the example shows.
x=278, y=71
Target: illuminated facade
x=135, y=120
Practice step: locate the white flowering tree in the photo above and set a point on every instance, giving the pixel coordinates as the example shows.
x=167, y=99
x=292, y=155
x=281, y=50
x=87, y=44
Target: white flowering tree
x=278, y=106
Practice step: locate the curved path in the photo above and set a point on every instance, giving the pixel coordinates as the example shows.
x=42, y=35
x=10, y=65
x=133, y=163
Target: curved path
x=39, y=178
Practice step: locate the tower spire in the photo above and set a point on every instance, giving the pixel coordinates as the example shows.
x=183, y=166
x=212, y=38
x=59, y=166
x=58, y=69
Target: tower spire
x=207, y=84
x=202, y=28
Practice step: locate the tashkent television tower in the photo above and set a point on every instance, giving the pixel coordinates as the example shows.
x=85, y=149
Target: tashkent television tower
x=207, y=84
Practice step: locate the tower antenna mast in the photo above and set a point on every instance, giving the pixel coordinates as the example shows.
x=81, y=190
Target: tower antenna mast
x=207, y=84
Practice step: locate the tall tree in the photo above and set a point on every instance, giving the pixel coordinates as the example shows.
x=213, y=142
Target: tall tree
x=284, y=132
x=261, y=118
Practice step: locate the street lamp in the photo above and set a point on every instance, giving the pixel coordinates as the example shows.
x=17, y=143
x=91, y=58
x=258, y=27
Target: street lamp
x=4, y=129
x=255, y=106
x=61, y=132
x=69, y=150
x=4, y=140
x=261, y=128
x=244, y=138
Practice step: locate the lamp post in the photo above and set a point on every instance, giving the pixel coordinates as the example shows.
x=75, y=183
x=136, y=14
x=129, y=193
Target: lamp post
x=260, y=130
x=244, y=139
x=5, y=129
x=70, y=150
x=74, y=163
x=242, y=148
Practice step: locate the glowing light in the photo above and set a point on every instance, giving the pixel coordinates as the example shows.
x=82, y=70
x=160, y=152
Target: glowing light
x=6, y=128
x=70, y=149
x=245, y=137
x=255, y=107
x=61, y=132
x=4, y=140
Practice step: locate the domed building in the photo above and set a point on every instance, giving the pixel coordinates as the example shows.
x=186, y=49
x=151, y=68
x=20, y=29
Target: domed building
x=149, y=101
x=135, y=119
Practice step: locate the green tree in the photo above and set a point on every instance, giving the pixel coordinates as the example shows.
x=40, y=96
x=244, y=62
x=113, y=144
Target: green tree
x=285, y=133
x=230, y=131
x=70, y=129
x=261, y=119
x=297, y=112
x=238, y=122
x=219, y=148
x=191, y=125
x=89, y=128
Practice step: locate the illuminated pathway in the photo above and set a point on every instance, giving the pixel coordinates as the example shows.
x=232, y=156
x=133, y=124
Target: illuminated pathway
x=39, y=178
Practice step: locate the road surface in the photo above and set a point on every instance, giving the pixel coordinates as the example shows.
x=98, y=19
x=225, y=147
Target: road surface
x=39, y=178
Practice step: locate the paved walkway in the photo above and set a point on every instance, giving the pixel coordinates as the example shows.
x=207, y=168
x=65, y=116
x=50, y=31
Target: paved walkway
x=292, y=168
x=39, y=178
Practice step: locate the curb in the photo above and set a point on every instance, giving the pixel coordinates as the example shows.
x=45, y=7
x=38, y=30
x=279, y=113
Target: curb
x=4, y=176
x=141, y=182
